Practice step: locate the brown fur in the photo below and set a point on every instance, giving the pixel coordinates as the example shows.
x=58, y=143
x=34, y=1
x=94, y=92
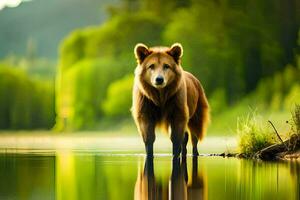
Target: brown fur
x=179, y=104
x=183, y=183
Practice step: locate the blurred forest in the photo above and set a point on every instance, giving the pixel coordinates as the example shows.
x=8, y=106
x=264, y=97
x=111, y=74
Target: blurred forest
x=245, y=53
x=45, y=23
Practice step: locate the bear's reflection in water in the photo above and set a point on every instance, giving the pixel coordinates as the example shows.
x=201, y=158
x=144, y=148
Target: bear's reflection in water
x=181, y=184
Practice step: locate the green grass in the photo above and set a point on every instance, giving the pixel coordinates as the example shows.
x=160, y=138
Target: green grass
x=253, y=134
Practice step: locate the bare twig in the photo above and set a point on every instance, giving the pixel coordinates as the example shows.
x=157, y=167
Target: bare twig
x=278, y=134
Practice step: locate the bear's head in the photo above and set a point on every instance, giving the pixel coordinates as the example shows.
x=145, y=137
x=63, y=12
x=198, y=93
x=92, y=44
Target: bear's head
x=158, y=66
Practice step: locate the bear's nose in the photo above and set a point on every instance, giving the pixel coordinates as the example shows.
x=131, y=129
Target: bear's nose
x=159, y=80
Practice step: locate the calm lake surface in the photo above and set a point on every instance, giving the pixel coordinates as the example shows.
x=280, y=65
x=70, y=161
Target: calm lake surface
x=52, y=167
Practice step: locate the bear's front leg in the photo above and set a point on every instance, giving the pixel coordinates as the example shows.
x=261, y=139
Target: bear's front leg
x=147, y=130
x=177, y=133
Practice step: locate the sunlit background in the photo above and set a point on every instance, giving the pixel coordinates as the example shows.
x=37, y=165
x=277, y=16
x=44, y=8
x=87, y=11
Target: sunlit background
x=68, y=65
x=66, y=75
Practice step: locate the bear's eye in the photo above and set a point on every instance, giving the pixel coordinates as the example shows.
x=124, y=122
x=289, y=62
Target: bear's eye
x=151, y=66
x=166, y=66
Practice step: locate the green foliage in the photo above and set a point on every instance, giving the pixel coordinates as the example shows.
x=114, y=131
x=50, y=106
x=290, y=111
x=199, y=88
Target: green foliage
x=276, y=101
x=278, y=91
x=217, y=45
x=270, y=98
x=203, y=42
x=293, y=97
x=113, y=40
x=119, y=98
x=25, y=103
x=72, y=49
x=217, y=101
x=41, y=68
x=234, y=48
x=296, y=119
x=230, y=57
x=93, y=58
x=81, y=91
x=253, y=135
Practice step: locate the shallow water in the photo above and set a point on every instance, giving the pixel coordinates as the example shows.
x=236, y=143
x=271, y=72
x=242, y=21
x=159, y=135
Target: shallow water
x=75, y=173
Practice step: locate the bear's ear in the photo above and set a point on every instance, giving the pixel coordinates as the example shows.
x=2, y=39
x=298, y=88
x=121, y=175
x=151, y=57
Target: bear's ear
x=141, y=51
x=176, y=52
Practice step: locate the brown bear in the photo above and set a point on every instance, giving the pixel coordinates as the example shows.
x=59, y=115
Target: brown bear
x=167, y=96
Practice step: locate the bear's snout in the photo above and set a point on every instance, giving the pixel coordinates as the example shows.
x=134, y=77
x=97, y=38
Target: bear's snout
x=159, y=80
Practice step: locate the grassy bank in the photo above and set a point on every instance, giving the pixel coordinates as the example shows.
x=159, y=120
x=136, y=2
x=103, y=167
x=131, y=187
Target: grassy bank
x=255, y=135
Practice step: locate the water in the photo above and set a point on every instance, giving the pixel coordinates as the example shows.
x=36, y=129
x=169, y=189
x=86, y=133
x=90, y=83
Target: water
x=83, y=173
